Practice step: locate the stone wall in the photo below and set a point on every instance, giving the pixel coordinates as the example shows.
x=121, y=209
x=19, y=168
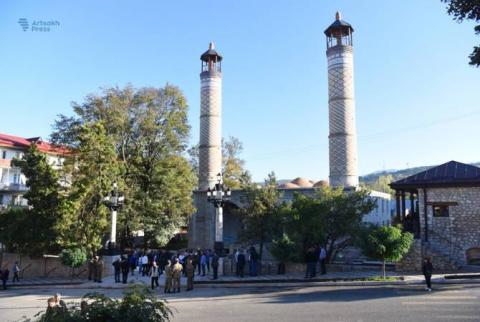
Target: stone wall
x=48, y=266
x=452, y=236
x=412, y=261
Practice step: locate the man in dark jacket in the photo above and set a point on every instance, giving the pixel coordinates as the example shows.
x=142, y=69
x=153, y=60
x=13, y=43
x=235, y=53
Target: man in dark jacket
x=427, y=269
x=215, y=260
x=311, y=260
x=240, y=263
x=116, y=266
x=124, y=265
x=4, y=274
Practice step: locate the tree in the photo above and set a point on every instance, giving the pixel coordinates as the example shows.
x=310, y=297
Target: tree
x=149, y=132
x=387, y=243
x=262, y=210
x=93, y=169
x=233, y=166
x=470, y=10
x=73, y=257
x=331, y=218
x=382, y=184
x=34, y=230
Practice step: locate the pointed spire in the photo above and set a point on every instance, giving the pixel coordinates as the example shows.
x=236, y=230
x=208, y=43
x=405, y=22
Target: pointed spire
x=338, y=16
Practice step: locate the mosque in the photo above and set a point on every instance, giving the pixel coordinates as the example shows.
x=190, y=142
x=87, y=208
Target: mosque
x=219, y=226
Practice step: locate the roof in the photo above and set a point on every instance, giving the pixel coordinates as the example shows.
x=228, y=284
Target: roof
x=450, y=174
x=211, y=53
x=339, y=25
x=12, y=141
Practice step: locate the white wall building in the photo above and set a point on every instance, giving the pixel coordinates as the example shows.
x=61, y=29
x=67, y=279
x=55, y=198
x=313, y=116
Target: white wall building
x=12, y=181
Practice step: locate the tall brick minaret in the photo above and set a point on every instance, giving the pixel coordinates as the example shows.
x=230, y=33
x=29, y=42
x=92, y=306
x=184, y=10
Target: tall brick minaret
x=210, y=158
x=341, y=105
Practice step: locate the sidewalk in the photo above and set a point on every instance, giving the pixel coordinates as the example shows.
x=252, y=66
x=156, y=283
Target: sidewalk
x=359, y=278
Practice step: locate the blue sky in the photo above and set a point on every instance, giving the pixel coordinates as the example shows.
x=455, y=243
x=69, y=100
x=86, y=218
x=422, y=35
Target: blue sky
x=417, y=98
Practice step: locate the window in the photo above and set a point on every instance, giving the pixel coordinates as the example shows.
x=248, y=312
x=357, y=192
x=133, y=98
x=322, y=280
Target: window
x=440, y=210
x=4, y=154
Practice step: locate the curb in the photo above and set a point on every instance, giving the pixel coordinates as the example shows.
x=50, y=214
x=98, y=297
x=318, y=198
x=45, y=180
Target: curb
x=272, y=283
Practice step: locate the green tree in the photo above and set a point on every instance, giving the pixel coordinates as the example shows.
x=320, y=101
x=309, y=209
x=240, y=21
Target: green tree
x=149, y=131
x=332, y=218
x=467, y=10
x=382, y=184
x=262, y=210
x=73, y=257
x=386, y=243
x=93, y=169
x=34, y=230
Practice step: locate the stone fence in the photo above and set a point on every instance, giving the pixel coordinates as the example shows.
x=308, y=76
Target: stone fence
x=48, y=266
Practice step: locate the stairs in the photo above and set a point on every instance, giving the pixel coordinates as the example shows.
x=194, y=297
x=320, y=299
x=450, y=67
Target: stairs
x=441, y=260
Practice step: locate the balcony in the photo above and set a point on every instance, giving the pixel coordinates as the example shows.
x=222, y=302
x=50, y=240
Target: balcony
x=13, y=187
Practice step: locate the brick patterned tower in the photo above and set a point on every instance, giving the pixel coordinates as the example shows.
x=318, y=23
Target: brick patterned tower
x=210, y=149
x=341, y=105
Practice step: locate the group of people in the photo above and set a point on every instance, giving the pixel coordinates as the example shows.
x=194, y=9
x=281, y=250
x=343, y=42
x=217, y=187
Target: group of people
x=243, y=257
x=95, y=269
x=5, y=273
x=156, y=263
x=315, y=255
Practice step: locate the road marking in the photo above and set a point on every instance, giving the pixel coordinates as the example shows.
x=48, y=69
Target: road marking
x=439, y=303
x=448, y=297
x=457, y=317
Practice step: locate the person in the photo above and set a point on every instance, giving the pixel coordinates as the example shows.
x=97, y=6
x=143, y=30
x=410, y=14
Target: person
x=310, y=260
x=427, y=269
x=91, y=268
x=60, y=303
x=5, y=274
x=117, y=266
x=51, y=309
x=322, y=257
x=98, y=269
x=16, y=270
x=168, y=277
x=132, y=260
x=203, y=263
x=144, y=264
x=124, y=265
x=176, y=274
x=215, y=259
x=209, y=259
x=196, y=261
x=240, y=263
x=154, y=274
x=252, y=261
x=190, y=274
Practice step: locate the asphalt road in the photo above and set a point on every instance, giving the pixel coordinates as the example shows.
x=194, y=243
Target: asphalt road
x=380, y=303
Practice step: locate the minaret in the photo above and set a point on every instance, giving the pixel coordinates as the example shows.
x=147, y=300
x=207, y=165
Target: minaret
x=210, y=149
x=341, y=105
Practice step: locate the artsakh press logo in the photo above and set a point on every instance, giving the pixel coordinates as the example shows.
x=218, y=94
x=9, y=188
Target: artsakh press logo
x=23, y=22
x=38, y=25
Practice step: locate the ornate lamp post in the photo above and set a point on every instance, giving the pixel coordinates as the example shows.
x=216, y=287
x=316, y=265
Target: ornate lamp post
x=114, y=201
x=218, y=196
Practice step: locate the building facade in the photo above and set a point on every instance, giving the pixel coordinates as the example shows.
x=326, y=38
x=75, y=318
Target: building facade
x=12, y=180
x=444, y=216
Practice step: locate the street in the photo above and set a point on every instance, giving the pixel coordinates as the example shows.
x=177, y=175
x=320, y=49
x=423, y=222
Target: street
x=379, y=303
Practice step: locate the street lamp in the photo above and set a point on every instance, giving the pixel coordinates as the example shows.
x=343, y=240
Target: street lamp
x=218, y=196
x=114, y=201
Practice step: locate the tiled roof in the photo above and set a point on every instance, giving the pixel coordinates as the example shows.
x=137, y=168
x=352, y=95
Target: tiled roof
x=449, y=174
x=7, y=140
